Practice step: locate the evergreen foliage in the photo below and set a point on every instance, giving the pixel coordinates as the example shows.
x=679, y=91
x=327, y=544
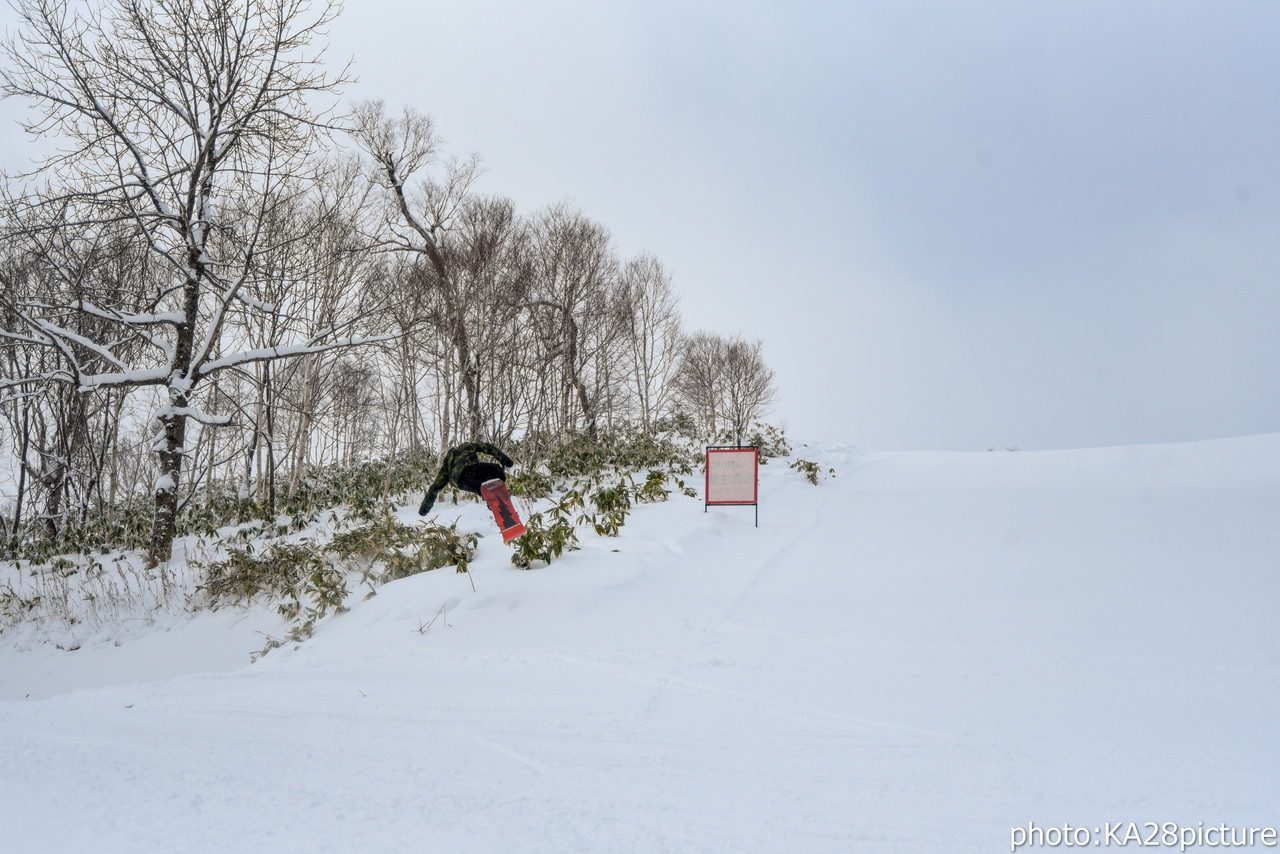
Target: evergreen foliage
x=623, y=449
x=438, y=546
x=546, y=537
x=244, y=576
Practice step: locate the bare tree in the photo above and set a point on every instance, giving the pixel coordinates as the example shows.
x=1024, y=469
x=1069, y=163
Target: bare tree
x=185, y=122
x=747, y=385
x=697, y=378
x=417, y=214
x=312, y=269
x=396, y=284
x=488, y=254
x=647, y=306
x=575, y=270
x=61, y=436
x=724, y=382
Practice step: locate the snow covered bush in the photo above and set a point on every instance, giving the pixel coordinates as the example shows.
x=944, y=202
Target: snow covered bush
x=244, y=576
x=404, y=550
x=769, y=440
x=811, y=470
x=438, y=546
x=374, y=541
x=654, y=488
x=611, y=505
x=622, y=450
x=545, y=540
x=530, y=483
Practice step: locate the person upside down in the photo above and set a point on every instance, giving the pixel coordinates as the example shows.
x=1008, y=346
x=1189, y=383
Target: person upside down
x=463, y=468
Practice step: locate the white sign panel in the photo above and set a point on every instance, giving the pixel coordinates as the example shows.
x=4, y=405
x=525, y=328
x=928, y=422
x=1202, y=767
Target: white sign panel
x=731, y=476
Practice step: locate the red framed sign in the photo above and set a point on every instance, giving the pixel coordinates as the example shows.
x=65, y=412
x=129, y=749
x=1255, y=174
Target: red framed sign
x=733, y=477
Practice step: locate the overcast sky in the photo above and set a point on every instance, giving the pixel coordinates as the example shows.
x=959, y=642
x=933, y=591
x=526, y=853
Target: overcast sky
x=954, y=225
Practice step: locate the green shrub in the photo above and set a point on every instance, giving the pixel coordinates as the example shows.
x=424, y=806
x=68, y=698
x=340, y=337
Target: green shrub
x=623, y=450
x=768, y=440
x=243, y=576
x=544, y=541
x=430, y=547
x=612, y=503
x=295, y=572
x=320, y=592
x=654, y=489
x=530, y=483
x=317, y=595
x=811, y=470
x=373, y=541
x=771, y=441
x=14, y=607
x=437, y=547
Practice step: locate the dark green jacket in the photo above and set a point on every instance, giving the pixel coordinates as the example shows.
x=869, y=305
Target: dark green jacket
x=458, y=458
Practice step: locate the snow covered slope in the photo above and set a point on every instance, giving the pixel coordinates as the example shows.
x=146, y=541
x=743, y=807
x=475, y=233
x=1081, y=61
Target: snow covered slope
x=918, y=655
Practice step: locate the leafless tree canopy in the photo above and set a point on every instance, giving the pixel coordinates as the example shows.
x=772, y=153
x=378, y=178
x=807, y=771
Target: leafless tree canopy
x=197, y=299
x=724, y=383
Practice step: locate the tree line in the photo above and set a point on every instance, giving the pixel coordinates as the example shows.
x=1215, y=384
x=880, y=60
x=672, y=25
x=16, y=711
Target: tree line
x=217, y=282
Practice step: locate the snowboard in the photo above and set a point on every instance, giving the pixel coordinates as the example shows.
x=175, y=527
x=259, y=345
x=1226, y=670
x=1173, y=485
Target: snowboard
x=495, y=494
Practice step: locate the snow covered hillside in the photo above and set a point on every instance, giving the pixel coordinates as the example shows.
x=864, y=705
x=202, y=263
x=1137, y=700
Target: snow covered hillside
x=917, y=655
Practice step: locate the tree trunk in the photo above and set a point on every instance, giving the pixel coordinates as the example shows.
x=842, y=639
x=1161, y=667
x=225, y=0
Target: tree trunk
x=466, y=366
x=170, y=437
x=575, y=378
x=171, y=426
x=113, y=441
x=306, y=422
x=268, y=392
x=22, y=469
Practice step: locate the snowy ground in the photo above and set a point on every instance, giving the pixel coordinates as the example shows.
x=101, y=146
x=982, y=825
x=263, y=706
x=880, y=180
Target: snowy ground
x=918, y=655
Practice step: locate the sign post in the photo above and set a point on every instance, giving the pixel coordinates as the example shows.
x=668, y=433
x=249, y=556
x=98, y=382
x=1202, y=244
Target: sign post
x=733, y=477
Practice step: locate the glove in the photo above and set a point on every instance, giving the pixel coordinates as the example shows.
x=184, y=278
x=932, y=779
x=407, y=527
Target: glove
x=507, y=462
x=426, y=507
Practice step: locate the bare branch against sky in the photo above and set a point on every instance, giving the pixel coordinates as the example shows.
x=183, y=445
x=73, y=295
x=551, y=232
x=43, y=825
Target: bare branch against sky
x=952, y=225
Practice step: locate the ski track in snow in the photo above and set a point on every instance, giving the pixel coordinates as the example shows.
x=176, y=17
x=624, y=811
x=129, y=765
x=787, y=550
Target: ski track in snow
x=917, y=655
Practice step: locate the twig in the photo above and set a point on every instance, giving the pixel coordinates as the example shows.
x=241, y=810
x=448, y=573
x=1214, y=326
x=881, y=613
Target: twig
x=423, y=629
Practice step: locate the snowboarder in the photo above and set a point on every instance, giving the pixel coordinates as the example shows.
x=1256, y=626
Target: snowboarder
x=462, y=468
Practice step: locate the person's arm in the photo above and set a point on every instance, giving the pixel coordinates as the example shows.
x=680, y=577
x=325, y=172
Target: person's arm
x=496, y=452
x=436, y=485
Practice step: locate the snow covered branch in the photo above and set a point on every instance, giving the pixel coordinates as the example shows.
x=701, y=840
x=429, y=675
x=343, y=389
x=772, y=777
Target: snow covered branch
x=130, y=378
x=171, y=318
x=266, y=354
